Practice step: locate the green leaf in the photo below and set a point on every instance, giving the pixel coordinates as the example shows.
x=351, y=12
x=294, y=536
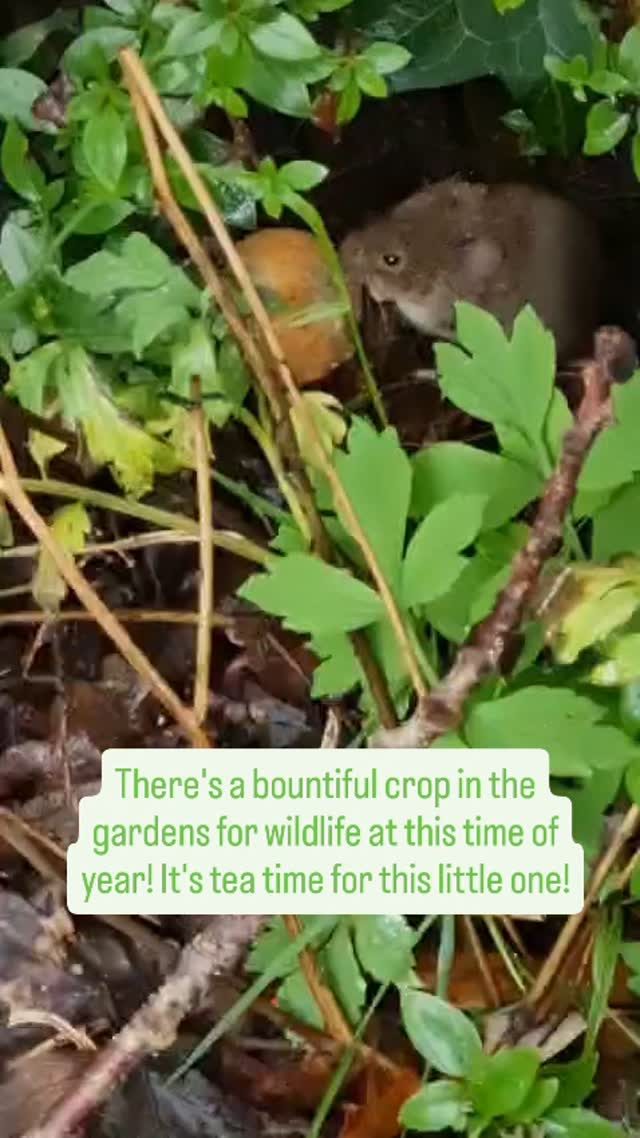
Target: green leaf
x=22, y=44
x=432, y=561
x=554, y=719
x=70, y=527
x=508, y=382
x=603, y=967
x=441, y=1105
x=192, y=34
x=442, y=1034
x=386, y=57
x=295, y=997
x=91, y=53
x=445, y=469
x=150, y=315
x=339, y=671
x=574, y=1122
x=385, y=947
x=606, y=126
x=452, y=41
x=274, y=938
x=576, y=1079
x=629, y=55
x=503, y=1082
x=277, y=86
x=104, y=144
x=21, y=249
x=303, y=175
x=19, y=169
x=621, y=664
x=630, y=953
x=43, y=448
x=313, y=597
x=507, y=5
x=615, y=457
x=18, y=92
x=537, y=1102
x=31, y=376
x=382, y=504
x=369, y=81
x=339, y=963
x=284, y=37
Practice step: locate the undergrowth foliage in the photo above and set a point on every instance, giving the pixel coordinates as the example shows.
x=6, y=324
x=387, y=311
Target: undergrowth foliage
x=104, y=329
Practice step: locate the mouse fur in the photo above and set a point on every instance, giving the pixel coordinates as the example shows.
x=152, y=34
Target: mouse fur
x=499, y=247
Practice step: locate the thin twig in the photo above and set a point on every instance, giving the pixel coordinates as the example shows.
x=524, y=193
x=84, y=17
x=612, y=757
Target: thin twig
x=75, y=579
x=489, y=984
x=125, y=616
x=334, y=1021
x=153, y=515
x=549, y=970
x=214, y=951
x=143, y=93
x=205, y=605
x=488, y=650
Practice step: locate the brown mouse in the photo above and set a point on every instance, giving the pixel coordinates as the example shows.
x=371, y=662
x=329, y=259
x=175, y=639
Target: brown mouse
x=500, y=247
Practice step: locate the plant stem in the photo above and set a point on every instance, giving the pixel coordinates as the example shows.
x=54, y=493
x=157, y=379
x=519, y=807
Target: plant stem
x=260, y=436
x=164, y=519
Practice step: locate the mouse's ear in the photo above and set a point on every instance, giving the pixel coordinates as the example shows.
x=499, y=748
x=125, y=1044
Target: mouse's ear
x=482, y=258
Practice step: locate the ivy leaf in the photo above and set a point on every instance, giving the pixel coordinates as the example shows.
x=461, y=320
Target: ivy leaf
x=445, y=469
x=441, y=1105
x=442, y=1034
x=504, y=1080
x=70, y=527
x=104, y=143
x=557, y=720
x=452, y=41
x=606, y=126
x=284, y=37
x=432, y=561
x=18, y=92
x=313, y=597
x=382, y=504
x=385, y=947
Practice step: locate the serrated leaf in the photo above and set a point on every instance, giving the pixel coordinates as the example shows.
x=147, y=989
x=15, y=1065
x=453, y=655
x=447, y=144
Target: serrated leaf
x=557, y=720
x=441, y=1105
x=313, y=597
x=339, y=671
x=505, y=381
x=441, y=1033
x=432, y=562
x=70, y=526
x=382, y=503
x=31, y=376
x=445, y=469
x=273, y=939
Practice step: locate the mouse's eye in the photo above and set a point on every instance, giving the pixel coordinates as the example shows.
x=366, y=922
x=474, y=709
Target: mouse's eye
x=392, y=260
